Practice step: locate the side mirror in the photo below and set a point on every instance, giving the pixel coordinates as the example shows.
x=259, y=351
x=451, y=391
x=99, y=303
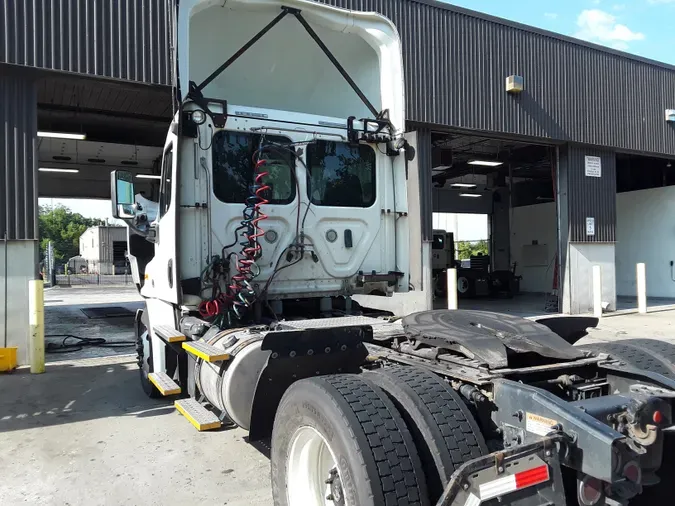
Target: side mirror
x=122, y=194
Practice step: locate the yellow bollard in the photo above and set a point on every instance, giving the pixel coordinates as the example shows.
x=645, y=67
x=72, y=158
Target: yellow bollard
x=36, y=306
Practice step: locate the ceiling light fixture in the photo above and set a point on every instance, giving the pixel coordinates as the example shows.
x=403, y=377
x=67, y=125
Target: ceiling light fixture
x=471, y=195
x=147, y=176
x=53, y=169
x=486, y=163
x=463, y=185
x=62, y=135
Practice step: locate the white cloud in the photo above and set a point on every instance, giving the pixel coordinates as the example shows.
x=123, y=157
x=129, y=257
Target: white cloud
x=551, y=15
x=619, y=7
x=596, y=2
x=601, y=27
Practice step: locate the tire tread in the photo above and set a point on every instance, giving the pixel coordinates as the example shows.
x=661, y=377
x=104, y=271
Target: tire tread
x=386, y=435
x=442, y=425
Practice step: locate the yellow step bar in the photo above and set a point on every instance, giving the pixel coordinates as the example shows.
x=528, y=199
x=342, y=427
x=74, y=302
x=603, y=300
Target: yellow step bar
x=197, y=415
x=164, y=384
x=205, y=351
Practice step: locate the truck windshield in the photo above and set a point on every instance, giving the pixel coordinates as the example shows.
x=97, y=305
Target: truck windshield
x=341, y=175
x=233, y=169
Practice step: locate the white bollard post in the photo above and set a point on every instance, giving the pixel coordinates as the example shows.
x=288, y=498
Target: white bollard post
x=642, y=288
x=452, y=289
x=597, y=291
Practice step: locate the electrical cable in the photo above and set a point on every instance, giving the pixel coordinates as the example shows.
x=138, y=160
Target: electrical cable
x=199, y=139
x=66, y=347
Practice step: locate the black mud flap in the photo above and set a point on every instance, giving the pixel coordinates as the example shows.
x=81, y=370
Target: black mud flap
x=570, y=328
x=527, y=475
x=300, y=354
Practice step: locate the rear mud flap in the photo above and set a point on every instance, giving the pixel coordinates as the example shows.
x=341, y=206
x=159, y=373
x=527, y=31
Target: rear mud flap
x=527, y=475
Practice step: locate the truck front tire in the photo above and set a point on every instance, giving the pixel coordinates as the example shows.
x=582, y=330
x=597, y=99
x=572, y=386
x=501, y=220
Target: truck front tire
x=144, y=358
x=340, y=437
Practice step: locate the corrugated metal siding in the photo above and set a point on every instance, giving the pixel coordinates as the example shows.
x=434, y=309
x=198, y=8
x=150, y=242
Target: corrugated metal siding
x=590, y=197
x=456, y=65
x=125, y=39
x=18, y=171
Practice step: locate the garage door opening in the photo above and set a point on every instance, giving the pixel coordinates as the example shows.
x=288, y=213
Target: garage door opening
x=645, y=203
x=494, y=203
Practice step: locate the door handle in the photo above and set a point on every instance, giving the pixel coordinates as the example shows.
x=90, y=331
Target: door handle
x=170, y=272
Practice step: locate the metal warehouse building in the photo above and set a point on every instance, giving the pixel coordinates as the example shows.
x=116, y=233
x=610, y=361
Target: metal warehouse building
x=579, y=171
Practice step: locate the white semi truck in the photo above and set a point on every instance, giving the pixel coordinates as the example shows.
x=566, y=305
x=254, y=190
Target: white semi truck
x=282, y=194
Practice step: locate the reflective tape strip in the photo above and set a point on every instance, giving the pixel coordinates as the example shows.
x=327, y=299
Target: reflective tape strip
x=472, y=500
x=532, y=477
x=514, y=482
x=498, y=487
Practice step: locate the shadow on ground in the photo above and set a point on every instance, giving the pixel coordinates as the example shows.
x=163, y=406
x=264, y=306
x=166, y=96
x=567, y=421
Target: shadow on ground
x=67, y=394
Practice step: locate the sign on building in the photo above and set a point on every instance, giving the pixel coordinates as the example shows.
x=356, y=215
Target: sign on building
x=593, y=166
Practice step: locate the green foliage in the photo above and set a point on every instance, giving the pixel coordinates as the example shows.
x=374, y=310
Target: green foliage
x=467, y=249
x=63, y=228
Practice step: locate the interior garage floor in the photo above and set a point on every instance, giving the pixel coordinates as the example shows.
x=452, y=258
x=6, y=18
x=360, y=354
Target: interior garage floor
x=64, y=316
x=526, y=305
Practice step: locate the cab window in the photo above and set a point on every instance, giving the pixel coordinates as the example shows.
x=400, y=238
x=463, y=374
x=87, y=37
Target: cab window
x=165, y=182
x=341, y=175
x=233, y=167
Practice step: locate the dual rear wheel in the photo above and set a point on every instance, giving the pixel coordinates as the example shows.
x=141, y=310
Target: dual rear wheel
x=391, y=437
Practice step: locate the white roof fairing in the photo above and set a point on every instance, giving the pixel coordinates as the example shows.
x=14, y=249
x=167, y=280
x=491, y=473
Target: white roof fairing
x=286, y=70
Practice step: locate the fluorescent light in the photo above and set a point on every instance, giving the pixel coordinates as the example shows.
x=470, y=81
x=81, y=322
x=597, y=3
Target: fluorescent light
x=471, y=195
x=486, y=163
x=52, y=169
x=147, y=176
x=463, y=185
x=62, y=135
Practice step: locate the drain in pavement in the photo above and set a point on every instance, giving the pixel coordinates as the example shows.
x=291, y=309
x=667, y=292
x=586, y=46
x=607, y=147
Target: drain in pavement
x=106, y=312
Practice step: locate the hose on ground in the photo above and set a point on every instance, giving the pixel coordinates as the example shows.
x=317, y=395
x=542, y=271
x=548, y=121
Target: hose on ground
x=81, y=342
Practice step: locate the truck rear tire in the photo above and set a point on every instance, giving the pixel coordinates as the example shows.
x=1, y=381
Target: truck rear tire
x=650, y=355
x=339, y=438
x=443, y=428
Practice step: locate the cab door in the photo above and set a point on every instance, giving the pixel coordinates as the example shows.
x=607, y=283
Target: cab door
x=162, y=271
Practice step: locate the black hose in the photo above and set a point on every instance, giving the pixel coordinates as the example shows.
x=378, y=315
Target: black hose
x=82, y=342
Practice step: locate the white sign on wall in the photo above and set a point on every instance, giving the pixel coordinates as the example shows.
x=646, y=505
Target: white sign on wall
x=590, y=226
x=593, y=166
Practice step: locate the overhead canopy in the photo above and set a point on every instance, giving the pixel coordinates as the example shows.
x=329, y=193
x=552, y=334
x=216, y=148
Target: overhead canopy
x=286, y=69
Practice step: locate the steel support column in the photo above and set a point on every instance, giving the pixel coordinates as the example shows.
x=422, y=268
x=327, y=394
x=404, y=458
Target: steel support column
x=18, y=207
x=586, y=187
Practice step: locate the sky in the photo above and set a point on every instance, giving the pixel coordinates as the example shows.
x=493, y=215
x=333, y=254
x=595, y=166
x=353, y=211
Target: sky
x=89, y=208
x=641, y=27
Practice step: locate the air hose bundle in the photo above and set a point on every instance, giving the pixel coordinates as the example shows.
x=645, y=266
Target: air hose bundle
x=240, y=290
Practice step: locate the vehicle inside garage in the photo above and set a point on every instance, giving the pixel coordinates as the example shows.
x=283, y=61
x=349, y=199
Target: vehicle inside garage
x=511, y=184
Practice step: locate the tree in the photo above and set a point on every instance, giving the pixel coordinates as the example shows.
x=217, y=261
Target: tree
x=63, y=228
x=467, y=249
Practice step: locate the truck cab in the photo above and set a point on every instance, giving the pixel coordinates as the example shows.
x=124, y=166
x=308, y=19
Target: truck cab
x=283, y=175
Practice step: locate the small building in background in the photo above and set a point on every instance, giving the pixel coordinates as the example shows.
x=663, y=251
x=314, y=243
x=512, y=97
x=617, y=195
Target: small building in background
x=104, y=249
